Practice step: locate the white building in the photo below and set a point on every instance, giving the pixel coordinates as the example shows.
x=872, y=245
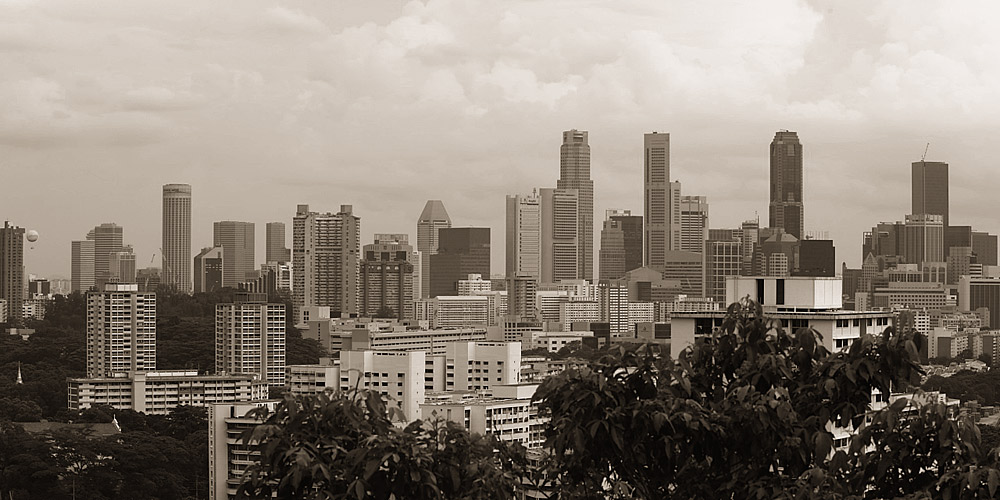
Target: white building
x=156, y=393
x=399, y=375
x=474, y=284
x=454, y=311
x=250, y=338
x=797, y=302
x=121, y=330
x=553, y=341
x=588, y=311
x=228, y=455
x=509, y=414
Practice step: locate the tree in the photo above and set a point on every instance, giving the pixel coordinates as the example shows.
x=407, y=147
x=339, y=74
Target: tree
x=748, y=414
x=346, y=446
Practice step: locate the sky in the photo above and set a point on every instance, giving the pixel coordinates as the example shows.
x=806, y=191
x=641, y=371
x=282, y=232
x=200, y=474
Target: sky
x=261, y=106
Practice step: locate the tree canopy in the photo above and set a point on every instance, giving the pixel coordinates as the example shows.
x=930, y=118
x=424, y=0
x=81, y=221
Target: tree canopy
x=748, y=413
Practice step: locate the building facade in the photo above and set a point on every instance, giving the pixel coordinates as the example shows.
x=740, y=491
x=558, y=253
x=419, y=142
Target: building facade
x=387, y=276
x=250, y=338
x=326, y=260
x=12, y=270
x=461, y=251
x=574, y=173
x=274, y=243
x=523, y=236
x=121, y=331
x=237, y=241
x=82, y=265
x=208, y=269
x=560, y=236
x=930, y=189
x=785, y=209
x=176, y=245
x=433, y=218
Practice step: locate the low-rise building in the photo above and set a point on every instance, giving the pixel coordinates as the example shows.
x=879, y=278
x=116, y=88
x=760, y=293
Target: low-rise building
x=156, y=393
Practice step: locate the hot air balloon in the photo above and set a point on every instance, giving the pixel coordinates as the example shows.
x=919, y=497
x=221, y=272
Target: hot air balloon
x=32, y=236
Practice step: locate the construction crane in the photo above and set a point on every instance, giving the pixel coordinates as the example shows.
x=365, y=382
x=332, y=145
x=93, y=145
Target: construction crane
x=145, y=286
x=924, y=157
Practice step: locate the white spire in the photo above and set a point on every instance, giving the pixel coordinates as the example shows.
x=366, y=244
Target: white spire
x=19, y=379
x=114, y=420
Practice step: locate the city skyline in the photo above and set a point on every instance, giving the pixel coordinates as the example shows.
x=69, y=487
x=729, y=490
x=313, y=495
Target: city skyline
x=301, y=122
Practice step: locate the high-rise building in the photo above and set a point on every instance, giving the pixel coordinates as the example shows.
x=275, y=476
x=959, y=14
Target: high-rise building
x=12, y=270
x=387, y=276
x=522, y=298
x=924, y=238
x=930, y=189
x=326, y=260
x=176, y=246
x=817, y=258
x=612, y=253
x=82, y=265
x=237, y=242
x=631, y=226
x=121, y=330
x=250, y=338
x=523, y=256
x=723, y=260
x=208, y=269
x=657, y=197
x=693, y=224
x=574, y=173
x=121, y=265
x=785, y=210
x=107, y=241
x=560, y=239
x=749, y=240
x=985, y=246
x=432, y=219
x=275, y=249
x=461, y=251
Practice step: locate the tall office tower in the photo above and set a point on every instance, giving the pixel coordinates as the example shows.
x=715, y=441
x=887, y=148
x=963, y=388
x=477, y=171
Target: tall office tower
x=723, y=259
x=612, y=254
x=387, y=277
x=694, y=224
x=432, y=219
x=250, y=338
x=275, y=249
x=574, y=173
x=325, y=260
x=121, y=265
x=12, y=270
x=985, y=246
x=461, y=251
x=121, y=330
x=657, y=198
x=785, y=209
x=82, y=265
x=631, y=226
x=522, y=298
x=208, y=269
x=176, y=247
x=975, y=293
x=107, y=240
x=930, y=189
x=613, y=303
x=560, y=240
x=523, y=257
x=237, y=242
x=924, y=239
x=886, y=239
x=749, y=240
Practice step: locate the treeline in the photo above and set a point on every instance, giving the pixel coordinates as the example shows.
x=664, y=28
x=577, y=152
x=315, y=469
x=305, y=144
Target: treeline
x=968, y=385
x=154, y=457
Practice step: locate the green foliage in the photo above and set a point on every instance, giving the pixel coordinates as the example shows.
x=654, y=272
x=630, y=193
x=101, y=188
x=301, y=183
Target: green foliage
x=968, y=385
x=345, y=446
x=748, y=413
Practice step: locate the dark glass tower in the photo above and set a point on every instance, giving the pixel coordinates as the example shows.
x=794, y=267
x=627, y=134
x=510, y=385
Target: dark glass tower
x=930, y=189
x=785, y=209
x=574, y=173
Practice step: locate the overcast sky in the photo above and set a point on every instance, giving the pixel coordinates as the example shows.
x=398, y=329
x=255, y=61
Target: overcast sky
x=261, y=106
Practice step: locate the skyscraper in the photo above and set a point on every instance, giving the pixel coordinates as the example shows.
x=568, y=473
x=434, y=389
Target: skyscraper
x=461, y=251
x=121, y=330
x=694, y=224
x=930, y=189
x=523, y=256
x=176, y=246
x=559, y=210
x=250, y=338
x=387, y=276
x=82, y=265
x=121, y=265
x=208, y=270
x=574, y=173
x=237, y=242
x=723, y=250
x=275, y=249
x=631, y=226
x=924, y=238
x=325, y=248
x=661, y=200
x=433, y=218
x=612, y=254
x=12, y=270
x=107, y=241
x=785, y=209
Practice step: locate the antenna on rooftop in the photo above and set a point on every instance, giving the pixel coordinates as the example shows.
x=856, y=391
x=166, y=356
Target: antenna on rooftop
x=924, y=157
